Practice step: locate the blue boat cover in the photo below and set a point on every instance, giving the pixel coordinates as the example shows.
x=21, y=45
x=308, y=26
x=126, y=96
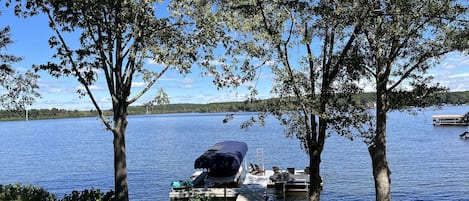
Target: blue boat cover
x=223, y=159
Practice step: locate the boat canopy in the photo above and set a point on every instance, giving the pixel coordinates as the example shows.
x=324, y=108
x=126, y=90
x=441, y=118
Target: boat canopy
x=223, y=159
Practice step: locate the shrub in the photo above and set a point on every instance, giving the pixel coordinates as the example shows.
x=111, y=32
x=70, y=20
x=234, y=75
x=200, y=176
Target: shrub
x=89, y=195
x=16, y=192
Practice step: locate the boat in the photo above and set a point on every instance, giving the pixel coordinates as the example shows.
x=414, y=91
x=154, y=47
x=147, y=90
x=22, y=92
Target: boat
x=223, y=159
x=220, y=173
x=290, y=180
x=274, y=184
x=465, y=135
x=451, y=120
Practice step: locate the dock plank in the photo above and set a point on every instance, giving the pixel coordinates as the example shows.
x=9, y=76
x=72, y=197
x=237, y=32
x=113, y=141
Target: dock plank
x=230, y=193
x=251, y=192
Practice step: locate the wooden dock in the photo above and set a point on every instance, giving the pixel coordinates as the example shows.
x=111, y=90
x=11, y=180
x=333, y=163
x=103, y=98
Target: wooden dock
x=451, y=120
x=251, y=192
x=223, y=193
x=254, y=188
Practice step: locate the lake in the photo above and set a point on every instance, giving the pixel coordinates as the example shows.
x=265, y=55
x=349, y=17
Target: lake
x=427, y=162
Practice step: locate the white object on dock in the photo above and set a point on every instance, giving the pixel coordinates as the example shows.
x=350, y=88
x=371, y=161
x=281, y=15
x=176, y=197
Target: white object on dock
x=209, y=192
x=449, y=120
x=261, y=187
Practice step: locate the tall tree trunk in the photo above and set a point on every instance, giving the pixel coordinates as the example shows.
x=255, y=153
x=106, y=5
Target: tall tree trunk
x=314, y=191
x=120, y=159
x=381, y=171
x=315, y=188
x=316, y=145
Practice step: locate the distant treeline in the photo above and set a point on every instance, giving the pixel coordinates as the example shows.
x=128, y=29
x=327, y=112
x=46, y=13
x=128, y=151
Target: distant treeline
x=55, y=113
x=454, y=98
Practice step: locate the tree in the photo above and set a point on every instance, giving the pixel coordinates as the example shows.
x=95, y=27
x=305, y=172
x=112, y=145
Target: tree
x=18, y=89
x=160, y=99
x=400, y=41
x=313, y=90
x=117, y=39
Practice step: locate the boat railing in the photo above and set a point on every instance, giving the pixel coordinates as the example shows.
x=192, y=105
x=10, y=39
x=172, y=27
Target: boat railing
x=260, y=158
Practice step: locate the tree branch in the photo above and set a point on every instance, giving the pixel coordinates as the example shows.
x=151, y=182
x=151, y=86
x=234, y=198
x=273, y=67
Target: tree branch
x=369, y=70
x=283, y=56
x=75, y=69
x=346, y=49
x=421, y=60
x=104, y=58
x=149, y=85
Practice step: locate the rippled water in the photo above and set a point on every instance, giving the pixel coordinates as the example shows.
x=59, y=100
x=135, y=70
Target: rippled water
x=427, y=162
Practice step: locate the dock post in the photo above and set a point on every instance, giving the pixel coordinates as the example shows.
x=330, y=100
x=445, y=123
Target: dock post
x=225, y=194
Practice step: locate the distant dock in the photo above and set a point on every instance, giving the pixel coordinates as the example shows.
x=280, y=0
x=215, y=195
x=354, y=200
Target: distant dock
x=450, y=120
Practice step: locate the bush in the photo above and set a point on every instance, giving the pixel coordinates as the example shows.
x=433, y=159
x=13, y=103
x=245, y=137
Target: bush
x=89, y=195
x=16, y=192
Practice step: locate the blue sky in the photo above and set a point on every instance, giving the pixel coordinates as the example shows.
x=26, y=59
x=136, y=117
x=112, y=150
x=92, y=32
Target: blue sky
x=30, y=42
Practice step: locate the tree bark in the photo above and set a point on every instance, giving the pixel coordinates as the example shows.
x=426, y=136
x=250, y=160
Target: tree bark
x=377, y=150
x=315, y=146
x=381, y=174
x=120, y=158
x=315, y=188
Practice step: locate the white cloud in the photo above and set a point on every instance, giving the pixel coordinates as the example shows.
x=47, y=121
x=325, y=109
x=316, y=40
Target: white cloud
x=216, y=62
x=448, y=66
x=186, y=80
x=454, y=61
x=105, y=100
x=154, y=63
x=139, y=84
x=56, y=90
x=455, y=82
x=186, y=86
x=462, y=75
x=367, y=85
x=92, y=87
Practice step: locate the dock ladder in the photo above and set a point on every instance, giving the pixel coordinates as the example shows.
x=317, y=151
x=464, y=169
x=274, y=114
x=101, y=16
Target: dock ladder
x=260, y=157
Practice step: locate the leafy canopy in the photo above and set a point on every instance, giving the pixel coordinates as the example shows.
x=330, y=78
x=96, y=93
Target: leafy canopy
x=17, y=90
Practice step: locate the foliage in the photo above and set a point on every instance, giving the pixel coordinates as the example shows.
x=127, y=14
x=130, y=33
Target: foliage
x=17, y=192
x=391, y=43
x=6, y=59
x=53, y=113
x=89, y=195
x=17, y=90
x=266, y=33
x=399, y=46
x=454, y=98
x=313, y=89
x=398, y=43
x=118, y=40
x=366, y=99
x=21, y=90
